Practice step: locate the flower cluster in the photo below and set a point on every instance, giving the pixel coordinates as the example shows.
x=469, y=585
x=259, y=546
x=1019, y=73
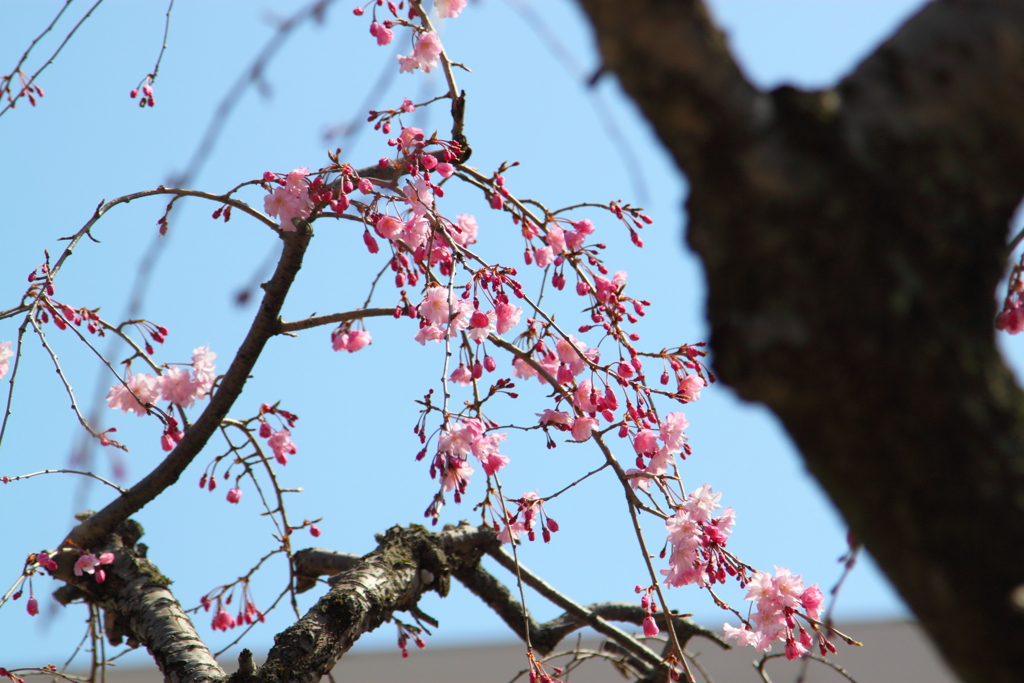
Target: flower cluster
x=290, y=199
x=778, y=599
x=452, y=458
x=147, y=99
x=531, y=509
x=224, y=620
x=175, y=385
x=697, y=541
x=89, y=563
x=650, y=606
x=280, y=441
x=424, y=55
x=348, y=339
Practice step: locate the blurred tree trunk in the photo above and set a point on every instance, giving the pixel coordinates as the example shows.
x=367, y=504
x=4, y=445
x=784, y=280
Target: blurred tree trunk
x=853, y=240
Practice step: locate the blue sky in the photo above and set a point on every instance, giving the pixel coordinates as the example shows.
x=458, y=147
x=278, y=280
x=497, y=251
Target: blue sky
x=87, y=141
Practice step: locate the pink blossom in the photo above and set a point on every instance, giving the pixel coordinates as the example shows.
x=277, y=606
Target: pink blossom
x=794, y=650
x=204, y=372
x=507, y=317
x=645, y=442
x=416, y=231
x=234, y=495
x=583, y=428
x=555, y=239
x=449, y=8
x=281, y=443
x=382, y=34
x=389, y=227
x=583, y=397
x=144, y=386
x=702, y=503
x=462, y=311
x=568, y=350
x=742, y=636
x=556, y=418
x=409, y=137
x=511, y=532
x=295, y=182
x=435, y=307
x=690, y=386
x=283, y=204
x=522, y=369
x=47, y=562
x=650, y=627
x=222, y=621
x=177, y=386
x=357, y=339
x=5, y=353
x=672, y=431
x=481, y=324
x=419, y=196
x=407, y=106
x=90, y=563
x=486, y=450
x=350, y=341
x=429, y=333
x=456, y=475
x=445, y=169
x=424, y=56
x=462, y=375
x=466, y=230
x=812, y=600
x=543, y=256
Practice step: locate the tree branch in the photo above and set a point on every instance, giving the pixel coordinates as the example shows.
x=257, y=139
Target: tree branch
x=266, y=324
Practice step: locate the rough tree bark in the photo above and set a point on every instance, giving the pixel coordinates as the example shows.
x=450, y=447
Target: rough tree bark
x=853, y=239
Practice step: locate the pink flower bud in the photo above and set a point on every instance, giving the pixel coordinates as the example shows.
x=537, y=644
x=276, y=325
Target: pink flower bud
x=32, y=606
x=234, y=495
x=314, y=530
x=650, y=628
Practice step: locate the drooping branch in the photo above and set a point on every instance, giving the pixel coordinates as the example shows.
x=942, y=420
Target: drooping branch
x=546, y=637
x=852, y=241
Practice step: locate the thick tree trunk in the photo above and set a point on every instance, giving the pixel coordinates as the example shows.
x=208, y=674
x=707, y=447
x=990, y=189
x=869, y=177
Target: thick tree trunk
x=853, y=240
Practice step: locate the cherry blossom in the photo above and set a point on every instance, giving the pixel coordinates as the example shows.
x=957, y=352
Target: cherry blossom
x=583, y=428
x=144, y=386
x=449, y=8
x=424, y=56
x=90, y=564
x=5, y=353
x=203, y=369
x=290, y=201
x=465, y=231
x=690, y=386
x=435, y=307
x=382, y=34
x=177, y=386
x=234, y=495
x=507, y=317
x=351, y=341
x=281, y=443
x=222, y=621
